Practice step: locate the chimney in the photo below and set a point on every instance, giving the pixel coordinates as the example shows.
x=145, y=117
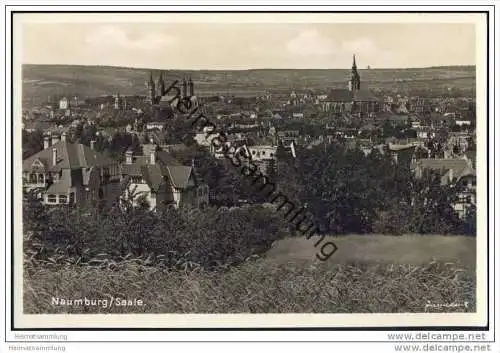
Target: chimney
x=55, y=139
x=128, y=157
x=54, y=156
x=46, y=142
x=153, y=157
x=92, y=144
x=63, y=137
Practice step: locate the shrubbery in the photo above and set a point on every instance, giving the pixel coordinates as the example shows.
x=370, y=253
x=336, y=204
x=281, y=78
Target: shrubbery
x=349, y=192
x=174, y=237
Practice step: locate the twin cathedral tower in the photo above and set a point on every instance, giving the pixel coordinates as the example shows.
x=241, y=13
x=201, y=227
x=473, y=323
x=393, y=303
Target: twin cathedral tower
x=158, y=90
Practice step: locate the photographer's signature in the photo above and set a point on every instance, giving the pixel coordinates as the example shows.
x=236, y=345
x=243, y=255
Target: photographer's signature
x=430, y=305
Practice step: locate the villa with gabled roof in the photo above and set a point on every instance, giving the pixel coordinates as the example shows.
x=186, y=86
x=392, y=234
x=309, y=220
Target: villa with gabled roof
x=161, y=180
x=70, y=173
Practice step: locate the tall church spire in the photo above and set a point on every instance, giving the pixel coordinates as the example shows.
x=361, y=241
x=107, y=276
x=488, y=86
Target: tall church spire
x=161, y=85
x=151, y=86
x=190, y=87
x=355, y=82
x=184, y=87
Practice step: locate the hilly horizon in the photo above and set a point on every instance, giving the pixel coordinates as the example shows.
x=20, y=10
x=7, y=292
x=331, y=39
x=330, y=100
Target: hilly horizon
x=249, y=69
x=42, y=81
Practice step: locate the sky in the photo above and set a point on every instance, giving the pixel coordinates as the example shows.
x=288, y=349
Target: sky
x=234, y=46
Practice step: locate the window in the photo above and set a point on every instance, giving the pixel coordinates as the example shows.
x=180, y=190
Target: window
x=137, y=180
x=63, y=199
x=32, y=178
x=52, y=198
x=72, y=197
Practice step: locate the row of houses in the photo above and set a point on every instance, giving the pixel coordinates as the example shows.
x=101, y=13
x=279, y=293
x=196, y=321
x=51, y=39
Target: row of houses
x=70, y=173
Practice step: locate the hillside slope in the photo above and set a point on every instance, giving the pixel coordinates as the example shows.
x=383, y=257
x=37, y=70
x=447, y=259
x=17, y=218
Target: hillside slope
x=42, y=81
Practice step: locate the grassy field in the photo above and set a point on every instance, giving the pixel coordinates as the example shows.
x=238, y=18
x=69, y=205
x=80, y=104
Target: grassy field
x=382, y=275
x=41, y=81
x=407, y=249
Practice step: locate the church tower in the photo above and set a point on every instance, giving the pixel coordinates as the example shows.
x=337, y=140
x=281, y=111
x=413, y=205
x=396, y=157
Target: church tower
x=355, y=82
x=152, y=90
x=161, y=85
x=190, y=87
x=184, y=88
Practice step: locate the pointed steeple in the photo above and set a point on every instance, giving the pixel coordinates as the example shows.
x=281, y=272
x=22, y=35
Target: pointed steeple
x=190, y=87
x=355, y=81
x=184, y=87
x=152, y=89
x=161, y=85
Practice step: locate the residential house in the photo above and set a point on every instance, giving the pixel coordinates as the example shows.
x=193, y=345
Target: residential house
x=264, y=157
x=463, y=122
x=425, y=132
x=288, y=136
x=161, y=180
x=156, y=125
x=64, y=103
x=453, y=172
x=67, y=173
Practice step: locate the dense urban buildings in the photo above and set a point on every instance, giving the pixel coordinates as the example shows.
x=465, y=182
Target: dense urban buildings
x=135, y=138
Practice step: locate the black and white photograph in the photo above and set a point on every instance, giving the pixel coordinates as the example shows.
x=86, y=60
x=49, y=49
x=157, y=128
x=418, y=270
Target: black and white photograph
x=271, y=170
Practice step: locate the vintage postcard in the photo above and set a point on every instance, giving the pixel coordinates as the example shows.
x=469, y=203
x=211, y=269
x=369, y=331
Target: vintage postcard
x=250, y=170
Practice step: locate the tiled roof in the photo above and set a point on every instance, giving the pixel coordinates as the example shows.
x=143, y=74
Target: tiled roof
x=339, y=95
x=131, y=169
x=166, y=158
x=61, y=186
x=180, y=175
x=154, y=174
x=69, y=156
x=364, y=95
x=459, y=166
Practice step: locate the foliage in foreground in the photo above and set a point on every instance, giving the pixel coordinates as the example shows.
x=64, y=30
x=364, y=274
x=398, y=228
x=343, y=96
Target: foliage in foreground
x=253, y=287
x=174, y=238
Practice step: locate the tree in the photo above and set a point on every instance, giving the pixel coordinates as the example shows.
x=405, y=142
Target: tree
x=32, y=142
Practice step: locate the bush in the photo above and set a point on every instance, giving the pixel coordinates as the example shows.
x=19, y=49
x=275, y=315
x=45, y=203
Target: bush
x=175, y=237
